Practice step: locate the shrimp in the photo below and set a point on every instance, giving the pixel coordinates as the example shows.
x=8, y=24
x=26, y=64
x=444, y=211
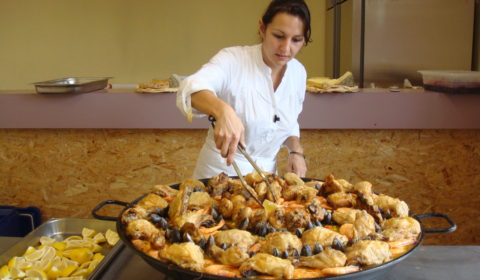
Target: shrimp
x=223, y=270
x=340, y=270
x=300, y=273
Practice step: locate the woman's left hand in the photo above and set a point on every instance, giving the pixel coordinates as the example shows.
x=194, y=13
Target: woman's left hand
x=297, y=165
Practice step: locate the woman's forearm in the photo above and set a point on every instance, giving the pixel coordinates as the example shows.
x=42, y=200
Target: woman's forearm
x=293, y=144
x=206, y=102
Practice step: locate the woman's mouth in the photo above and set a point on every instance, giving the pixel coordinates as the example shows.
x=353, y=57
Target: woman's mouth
x=282, y=57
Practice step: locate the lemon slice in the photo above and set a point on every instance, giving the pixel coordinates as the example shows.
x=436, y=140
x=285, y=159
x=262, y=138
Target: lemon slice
x=4, y=272
x=71, y=244
x=12, y=262
x=44, y=264
x=54, y=272
x=44, y=240
x=79, y=255
x=73, y=237
x=49, y=254
x=60, y=245
x=23, y=264
x=98, y=256
x=16, y=273
x=270, y=207
x=29, y=250
x=68, y=270
x=80, y=272
x=35, y=256
x=99, y=238
x=112, y=237
x=36, y=273
x=88, y=233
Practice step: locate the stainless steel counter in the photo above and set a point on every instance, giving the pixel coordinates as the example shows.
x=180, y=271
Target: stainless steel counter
x=428, y=262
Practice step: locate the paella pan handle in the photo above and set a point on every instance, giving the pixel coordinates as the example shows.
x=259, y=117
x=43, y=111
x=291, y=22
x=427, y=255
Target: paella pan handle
x=102, y=204
x=453, y=225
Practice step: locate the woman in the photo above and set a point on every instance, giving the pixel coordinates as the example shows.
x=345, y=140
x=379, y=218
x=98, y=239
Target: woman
x=255, y=94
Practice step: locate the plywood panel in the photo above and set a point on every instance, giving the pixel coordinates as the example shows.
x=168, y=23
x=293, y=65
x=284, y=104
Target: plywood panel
x=67, y=172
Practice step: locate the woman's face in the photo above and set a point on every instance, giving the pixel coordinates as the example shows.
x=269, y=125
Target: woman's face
x=282, y=39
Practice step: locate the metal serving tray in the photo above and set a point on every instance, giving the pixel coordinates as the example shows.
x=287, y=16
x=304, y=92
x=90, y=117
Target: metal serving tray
x=60, y=229
x=72, y=85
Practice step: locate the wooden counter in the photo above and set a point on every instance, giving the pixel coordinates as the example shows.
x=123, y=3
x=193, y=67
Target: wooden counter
x=124, y=109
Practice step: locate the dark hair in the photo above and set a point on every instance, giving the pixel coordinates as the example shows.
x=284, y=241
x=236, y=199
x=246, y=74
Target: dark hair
x=296, y=8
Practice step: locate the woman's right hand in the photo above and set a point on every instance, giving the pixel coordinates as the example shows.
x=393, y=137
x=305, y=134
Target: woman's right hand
x=229, y=129
x=229, y=132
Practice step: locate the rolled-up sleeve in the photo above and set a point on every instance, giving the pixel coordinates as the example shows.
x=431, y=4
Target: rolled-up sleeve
x=212, y=76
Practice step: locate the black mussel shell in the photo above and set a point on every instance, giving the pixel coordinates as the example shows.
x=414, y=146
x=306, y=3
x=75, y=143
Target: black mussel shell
x=155, y=218
x=309, y=225
x=250, y=273
x=244, y=224
x=295, y=253
x=175, y=236
x=275, y=252
x=223, y=246
x=285, y=255
x=337, y=245
x=317, y=248
x=187, y=237
x=306, y=250
x=298, y=233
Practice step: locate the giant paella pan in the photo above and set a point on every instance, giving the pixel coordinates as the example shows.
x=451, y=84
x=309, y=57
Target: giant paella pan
x=296, y=228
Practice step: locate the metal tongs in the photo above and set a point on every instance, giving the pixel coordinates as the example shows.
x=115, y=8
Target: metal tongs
x=249, y=189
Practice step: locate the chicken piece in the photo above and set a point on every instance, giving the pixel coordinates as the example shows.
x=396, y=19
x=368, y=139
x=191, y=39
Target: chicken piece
x=297, y=218
x=141, y=245
x=323, y=236
x=218, y=184
x=145, y=230
x=191, y=184
x=368, y=252
x=276, y=188
x=200, y=200
x=300, y=193
x=397, y=207
x=134, y=213
x=241, y=238
x=233, y=256
x=225, y=207
x=179, y=204
x=152, y=202
x=241, y=214
x=164, y=191
x=293, y=179
x=194, y=217
x=345, y=215
x=363, y=226
x=268, y=264
x=186, y=255
x=317, y=212
x=261, y=189
x=315, y=185
x=342, y=199
x=327, y=258
x=282, y=241
x=363, y=187
x=252, y=178
x=277, y=218
x=332, y=185
x=258, y=216
x=400, y=228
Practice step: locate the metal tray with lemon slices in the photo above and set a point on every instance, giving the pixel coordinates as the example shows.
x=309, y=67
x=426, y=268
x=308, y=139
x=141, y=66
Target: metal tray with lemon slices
x=62, y=229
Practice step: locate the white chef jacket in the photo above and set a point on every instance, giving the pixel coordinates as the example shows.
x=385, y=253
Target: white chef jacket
x=240, y=77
